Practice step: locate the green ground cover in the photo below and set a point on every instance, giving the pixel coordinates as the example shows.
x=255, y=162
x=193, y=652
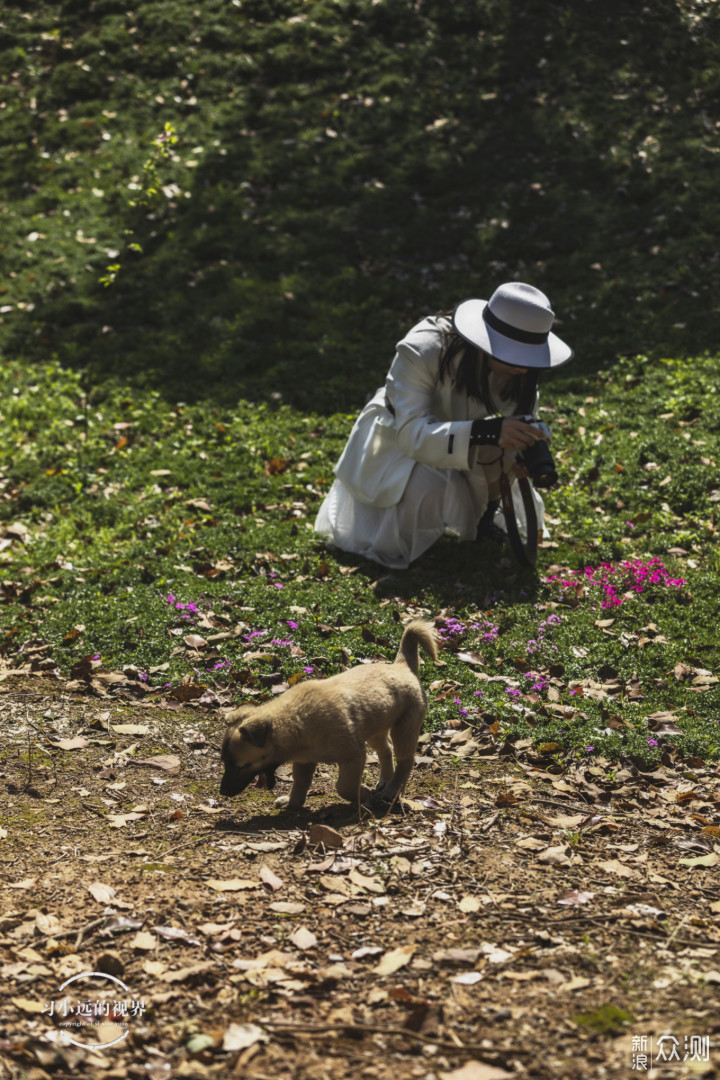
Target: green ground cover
x=151, y=529
x=339, y=170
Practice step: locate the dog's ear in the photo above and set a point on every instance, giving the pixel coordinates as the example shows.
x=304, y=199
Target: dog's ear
x=236, y=716
x=256, y=732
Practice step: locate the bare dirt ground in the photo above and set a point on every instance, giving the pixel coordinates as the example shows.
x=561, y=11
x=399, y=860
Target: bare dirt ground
x=513, y=918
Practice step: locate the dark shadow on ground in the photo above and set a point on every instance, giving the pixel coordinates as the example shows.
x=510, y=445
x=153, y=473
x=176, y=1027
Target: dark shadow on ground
x=336, y=814
x=450, y=573
x=372, y=168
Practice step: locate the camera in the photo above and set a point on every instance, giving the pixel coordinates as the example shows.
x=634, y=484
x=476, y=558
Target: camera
x=537, y=459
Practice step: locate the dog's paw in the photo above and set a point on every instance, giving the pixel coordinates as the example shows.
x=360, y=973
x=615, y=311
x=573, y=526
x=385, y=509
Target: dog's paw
x=282, y=802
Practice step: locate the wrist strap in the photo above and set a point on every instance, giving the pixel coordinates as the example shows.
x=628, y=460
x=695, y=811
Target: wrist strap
x=486, y=432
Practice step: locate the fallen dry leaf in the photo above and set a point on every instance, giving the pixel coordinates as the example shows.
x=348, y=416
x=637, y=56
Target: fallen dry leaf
x=532, y=843
x=26, y=883
x=104, y=894
x=76, y=743
x=467, y=978
x=233, y=885
x=271, y=879
x=555, y=856
x=242, y=1036
x=367, y=883
x=27, y=1005
x=395, y=959
x=303, y=938
x=144, y=941
x=476, y=1070
x=169, y=762
x=574, y=897
x=185, y=974
x=285, y=907
x=577, y=983
x=712, y=859
x=613, y=866
x=323, y=834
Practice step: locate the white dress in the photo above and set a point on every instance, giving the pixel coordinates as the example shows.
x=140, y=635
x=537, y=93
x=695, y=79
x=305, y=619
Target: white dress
x=408, y=473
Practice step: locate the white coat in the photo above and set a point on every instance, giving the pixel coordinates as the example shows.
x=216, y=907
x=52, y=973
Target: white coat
x=423, y=435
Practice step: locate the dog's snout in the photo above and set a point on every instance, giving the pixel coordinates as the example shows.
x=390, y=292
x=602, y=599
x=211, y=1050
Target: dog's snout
x=235, y=780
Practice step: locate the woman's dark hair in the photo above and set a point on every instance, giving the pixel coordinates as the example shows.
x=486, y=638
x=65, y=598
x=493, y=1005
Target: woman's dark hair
x=472, y=375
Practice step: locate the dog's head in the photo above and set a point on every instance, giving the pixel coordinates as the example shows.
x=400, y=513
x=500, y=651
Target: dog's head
x=247, y=752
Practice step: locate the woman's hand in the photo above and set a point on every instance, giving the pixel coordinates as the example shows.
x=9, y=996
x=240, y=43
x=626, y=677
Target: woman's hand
x=516, y=434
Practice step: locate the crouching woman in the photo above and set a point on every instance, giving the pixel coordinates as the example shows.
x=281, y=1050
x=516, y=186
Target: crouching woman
x=425, y=455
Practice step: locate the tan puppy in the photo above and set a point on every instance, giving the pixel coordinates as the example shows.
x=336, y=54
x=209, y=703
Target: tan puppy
x=331, y=720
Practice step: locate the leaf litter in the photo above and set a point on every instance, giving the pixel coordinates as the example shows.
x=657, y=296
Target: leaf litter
x=500, y=900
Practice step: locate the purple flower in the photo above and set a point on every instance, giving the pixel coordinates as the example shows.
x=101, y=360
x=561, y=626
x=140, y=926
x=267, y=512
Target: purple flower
x=652, y=742
x=293, y=625
x=589, y=749
x=308, y=670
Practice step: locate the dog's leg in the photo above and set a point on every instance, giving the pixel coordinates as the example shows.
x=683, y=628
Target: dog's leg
x=303, y=773
x=381, y=745
x=404, y=734
x=349, y=782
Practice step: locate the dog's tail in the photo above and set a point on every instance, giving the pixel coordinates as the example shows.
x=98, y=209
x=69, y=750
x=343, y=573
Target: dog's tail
x=417, y=633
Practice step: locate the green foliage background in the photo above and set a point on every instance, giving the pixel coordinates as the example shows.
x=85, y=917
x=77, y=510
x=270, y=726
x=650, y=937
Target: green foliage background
x=216, y=220
x=343, y=167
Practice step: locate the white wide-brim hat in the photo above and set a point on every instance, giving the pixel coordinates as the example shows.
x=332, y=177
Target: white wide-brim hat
x=513, y=326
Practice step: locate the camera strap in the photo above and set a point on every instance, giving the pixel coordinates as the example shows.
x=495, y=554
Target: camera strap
x=525, y=551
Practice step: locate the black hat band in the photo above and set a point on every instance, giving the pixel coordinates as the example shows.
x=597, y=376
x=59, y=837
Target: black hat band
x=527, y=337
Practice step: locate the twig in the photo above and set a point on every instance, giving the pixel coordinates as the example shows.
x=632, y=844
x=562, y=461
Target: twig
x=187, y=844
x=377, y=1029
x=677, y=930
x=685, y=942
x=67, y=933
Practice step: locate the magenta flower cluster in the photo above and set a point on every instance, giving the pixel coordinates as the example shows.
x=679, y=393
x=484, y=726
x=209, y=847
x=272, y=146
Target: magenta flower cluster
x=453, y=628
x=189, y=611
x=540, y=642
x=488, y=630
x=615, y=582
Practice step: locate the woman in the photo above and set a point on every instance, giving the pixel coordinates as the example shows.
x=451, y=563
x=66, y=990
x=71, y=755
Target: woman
x=425, y=454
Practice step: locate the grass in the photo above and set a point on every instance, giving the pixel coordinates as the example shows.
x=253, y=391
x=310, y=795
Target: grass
x=216, y=220
x=147, y=524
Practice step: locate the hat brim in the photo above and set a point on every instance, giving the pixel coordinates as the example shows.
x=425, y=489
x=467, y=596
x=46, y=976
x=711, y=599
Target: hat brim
x=469, y=323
